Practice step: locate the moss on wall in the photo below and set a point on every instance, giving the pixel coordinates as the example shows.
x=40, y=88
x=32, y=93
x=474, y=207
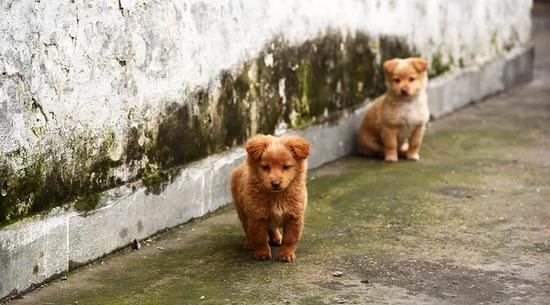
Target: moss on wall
x=438, y=66
x=290, y=85
x=50, y=181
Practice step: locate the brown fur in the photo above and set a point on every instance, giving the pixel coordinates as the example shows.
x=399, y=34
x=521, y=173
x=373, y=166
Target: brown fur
x=263, y=210
x=394, y=124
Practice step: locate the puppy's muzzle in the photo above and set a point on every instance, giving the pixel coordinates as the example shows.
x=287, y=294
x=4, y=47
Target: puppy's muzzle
x=276, y=185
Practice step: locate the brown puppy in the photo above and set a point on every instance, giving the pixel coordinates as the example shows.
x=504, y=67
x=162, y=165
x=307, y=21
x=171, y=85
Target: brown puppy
x=269, y=191
x=394, y=124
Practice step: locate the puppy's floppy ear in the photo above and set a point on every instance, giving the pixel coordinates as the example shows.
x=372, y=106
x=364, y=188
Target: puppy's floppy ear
x=390, y=65
x=256, y=145
x=298, y=146
x=421, y=65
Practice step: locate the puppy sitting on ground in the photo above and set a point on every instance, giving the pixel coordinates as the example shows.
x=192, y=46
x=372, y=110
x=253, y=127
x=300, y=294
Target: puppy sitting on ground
x=394, y=124
x=269, y=191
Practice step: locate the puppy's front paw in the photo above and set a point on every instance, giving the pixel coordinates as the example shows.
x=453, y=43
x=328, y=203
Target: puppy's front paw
x=286, y=257
x=262, y=255
x=413, y=157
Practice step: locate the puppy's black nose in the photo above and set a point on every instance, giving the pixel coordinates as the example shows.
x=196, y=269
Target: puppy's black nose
x=404, y=92
x=276, y=184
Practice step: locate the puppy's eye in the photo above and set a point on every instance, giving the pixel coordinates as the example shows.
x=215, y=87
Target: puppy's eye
x=286, y=167
x=411, y=79
x=396, y=80
x=265, y=167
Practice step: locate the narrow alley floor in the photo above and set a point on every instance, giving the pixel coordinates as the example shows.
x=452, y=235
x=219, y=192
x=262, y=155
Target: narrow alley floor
x=468, y=224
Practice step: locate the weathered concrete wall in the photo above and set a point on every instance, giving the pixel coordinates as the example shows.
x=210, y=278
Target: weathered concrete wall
x=102, y=103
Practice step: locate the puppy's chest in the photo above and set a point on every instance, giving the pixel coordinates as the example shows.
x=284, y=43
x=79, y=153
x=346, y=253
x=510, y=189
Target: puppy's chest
x=282, y=209
x=410, y=115
x=278, y=210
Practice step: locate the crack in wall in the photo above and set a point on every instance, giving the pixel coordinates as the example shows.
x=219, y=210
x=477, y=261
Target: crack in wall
x=26, y=94
x=35, y=105
x=121, y=9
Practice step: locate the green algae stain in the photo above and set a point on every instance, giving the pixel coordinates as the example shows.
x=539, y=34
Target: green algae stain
x=233, y=109
x=461, y=63
x=378, y=207
x=87, y=202
x=182, y=137
x=438, y=66
x=54, y=181
x=494, y=41
x=134, y=149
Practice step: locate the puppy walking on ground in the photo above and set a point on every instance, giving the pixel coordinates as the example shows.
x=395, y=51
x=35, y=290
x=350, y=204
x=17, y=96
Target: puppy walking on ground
x=394, y=124
x=269, y=191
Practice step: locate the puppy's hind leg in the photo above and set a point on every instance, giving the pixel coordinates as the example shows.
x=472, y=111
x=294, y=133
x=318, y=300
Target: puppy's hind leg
x=243, y=219
x=369, y=147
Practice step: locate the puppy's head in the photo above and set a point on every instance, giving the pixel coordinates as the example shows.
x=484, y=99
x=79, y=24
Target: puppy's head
x=277, y=161
x=406, y=77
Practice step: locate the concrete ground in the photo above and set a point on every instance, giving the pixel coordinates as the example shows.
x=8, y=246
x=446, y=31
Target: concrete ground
x=468, y=224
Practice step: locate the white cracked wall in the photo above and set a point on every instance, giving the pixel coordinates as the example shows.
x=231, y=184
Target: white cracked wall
x=73, y=69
